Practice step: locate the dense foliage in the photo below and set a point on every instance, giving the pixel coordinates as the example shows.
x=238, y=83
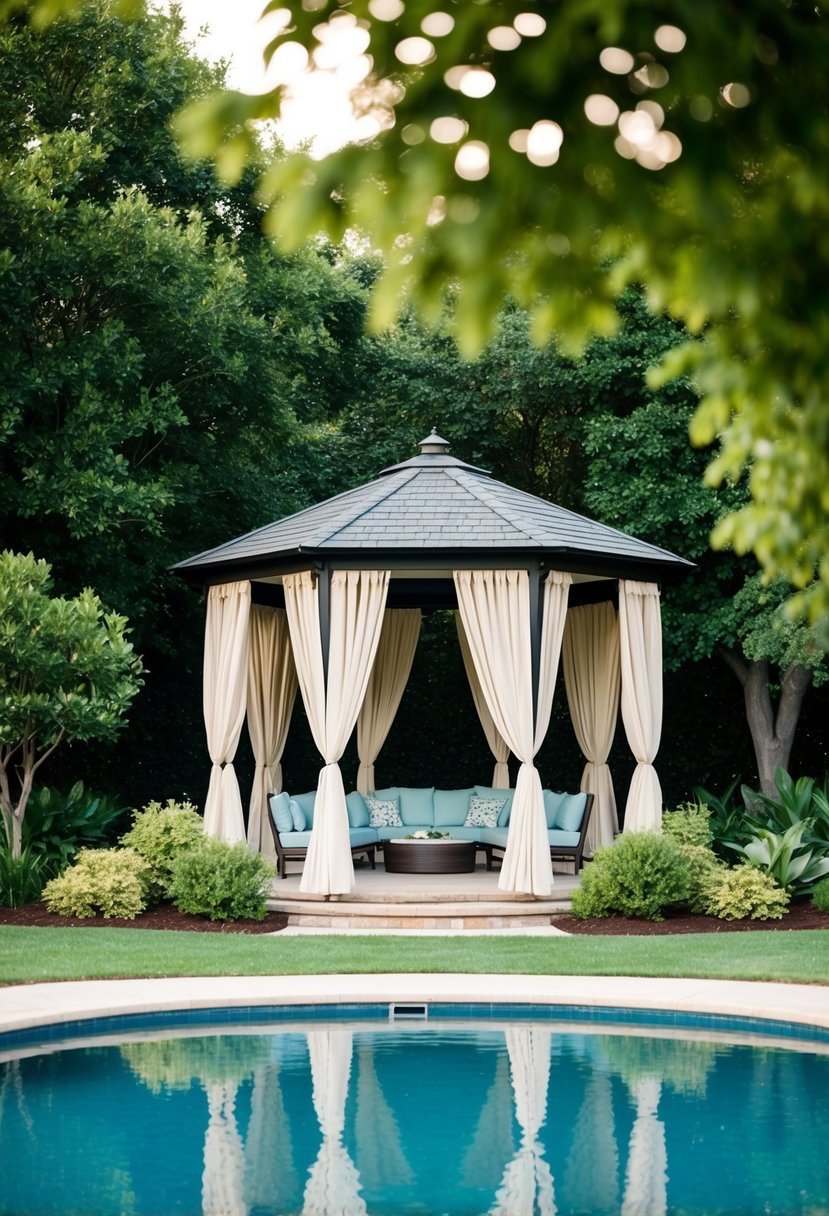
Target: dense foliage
x=160, y=834
x=746, y=893
x=641, y=874
x=221, y=881
x=107, y=881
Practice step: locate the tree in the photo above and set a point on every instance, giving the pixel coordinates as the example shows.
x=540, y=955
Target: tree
x=67, y=671
x=526, y=152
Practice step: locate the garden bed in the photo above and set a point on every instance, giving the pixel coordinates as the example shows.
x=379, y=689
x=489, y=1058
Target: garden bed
x=165, y=916
x=801, y=915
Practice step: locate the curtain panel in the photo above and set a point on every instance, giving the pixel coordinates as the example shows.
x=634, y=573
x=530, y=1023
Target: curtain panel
x=356, y=604
x=497, y=743
x=225, y=682
x=592, y=676
x=272, y=688
x=640, y=635
x=387, y=683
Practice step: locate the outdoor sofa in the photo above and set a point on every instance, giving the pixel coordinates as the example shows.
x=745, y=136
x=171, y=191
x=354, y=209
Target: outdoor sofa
x=419, y=809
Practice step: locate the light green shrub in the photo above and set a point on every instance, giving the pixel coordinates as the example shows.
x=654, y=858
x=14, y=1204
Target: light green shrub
x=820, y=895
x=689, y=824
x=101, y=880
x=746, y=893
x=221, y=881
x=705, y=867
x=160, y=833
x=639, y=875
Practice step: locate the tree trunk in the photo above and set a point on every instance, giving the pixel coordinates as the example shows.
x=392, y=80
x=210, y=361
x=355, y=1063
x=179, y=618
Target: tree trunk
x=772, y=732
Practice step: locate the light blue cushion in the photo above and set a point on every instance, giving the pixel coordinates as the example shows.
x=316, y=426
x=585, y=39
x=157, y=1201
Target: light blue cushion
x=566, y=840
x=570, y=813
x=462, y=833
x=417, y=806
x=362, y=836
x=387, y=795
x=295, y=840
x=552, y=801
x=306, y=801
x=486, y=791
x=280, y=808
x=496, y=836
x=451, y=807
x=357, y=810
x=298, y=821
x=392, y=832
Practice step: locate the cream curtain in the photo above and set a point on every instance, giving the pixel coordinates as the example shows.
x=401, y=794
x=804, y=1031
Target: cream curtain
x=272, y=686
x=592, y=678
x=357, y=601
x=225, y=680
x=640, y=635
x=389, y=676
x=495, y=611
x=496, y=741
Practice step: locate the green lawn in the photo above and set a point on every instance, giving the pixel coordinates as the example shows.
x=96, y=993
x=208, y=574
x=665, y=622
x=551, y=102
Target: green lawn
x=28, y=954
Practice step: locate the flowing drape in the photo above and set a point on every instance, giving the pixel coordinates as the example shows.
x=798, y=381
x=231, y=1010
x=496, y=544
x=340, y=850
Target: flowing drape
x=357, y=601
x=640, y=636
x=527, y=1187
x=495, y=611
x=497, y=743
x=389, y=676
x=592, y=676
x=333, y=1187
x=272, y=686
x=646, y=1177
x=225, y=682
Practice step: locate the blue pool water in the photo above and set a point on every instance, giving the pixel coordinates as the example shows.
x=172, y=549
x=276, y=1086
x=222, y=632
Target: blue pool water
x=328, y=1118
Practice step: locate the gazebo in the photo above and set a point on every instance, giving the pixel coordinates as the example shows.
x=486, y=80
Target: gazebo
x=330, y=600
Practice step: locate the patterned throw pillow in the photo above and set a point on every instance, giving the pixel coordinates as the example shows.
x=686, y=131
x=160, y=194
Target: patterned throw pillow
x=483, y=812
x=383, y=813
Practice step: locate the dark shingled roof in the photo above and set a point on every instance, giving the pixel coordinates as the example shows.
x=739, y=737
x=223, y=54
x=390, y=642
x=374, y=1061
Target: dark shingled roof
x=433, y=507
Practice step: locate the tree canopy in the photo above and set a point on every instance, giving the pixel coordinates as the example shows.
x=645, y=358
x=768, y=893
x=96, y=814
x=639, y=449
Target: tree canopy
x=559, y=153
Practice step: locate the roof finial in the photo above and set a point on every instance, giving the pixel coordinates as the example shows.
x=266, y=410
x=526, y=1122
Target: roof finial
x=433, y=445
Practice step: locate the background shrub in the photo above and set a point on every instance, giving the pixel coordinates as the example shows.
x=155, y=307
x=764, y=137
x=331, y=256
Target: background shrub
x=820, y=895
x=101, y=880
x=639, y=875
x=704, y=867
x=689, y=824
x=221, y=881
x=21, y=878
x=57, y=825
x=746, y=893
x=160, y=833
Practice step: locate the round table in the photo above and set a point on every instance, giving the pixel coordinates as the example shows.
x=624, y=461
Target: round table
x=429, y=856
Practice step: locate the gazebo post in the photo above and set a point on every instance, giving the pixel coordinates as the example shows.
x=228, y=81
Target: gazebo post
x=324, y=605
x=536, y=608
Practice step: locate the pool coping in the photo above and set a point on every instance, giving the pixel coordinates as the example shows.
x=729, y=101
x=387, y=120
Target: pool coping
x=28, y=1006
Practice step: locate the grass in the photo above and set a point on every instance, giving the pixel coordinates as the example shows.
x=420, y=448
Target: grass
x=34, y=954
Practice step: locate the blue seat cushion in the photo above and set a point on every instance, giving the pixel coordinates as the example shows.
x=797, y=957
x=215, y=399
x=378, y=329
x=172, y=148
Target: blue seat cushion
x=295, y=840
x=280, y=808
x=451, y=807
x=362, y=836
x=486, y=791
x=552, y=801
x=570, y=813
x=357, y=810
x=494, y=836
x=417, y=808
x=306, y=802
x=463, y=833
x=564, y=840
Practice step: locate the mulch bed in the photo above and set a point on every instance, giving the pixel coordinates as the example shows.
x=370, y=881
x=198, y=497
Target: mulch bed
x=800, y=916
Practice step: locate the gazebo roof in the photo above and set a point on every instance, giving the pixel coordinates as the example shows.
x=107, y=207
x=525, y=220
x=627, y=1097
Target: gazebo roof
x=428, y=512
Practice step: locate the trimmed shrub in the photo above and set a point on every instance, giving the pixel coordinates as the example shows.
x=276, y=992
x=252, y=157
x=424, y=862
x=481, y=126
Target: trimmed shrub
x=221, y=881
x=746, y=893
x=689, y=824
x=101, y=880
x=705, y=867
x=21, y=878
x=640, y=874
x=160, y=834
x=820, y=895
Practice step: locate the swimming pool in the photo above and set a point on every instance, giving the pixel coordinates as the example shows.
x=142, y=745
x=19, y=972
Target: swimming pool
x=298, y=1111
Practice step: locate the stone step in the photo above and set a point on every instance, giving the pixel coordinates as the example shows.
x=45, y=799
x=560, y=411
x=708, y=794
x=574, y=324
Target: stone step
x=479, y=914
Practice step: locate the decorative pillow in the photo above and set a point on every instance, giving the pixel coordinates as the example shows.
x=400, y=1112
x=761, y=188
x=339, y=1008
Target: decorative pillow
x=383, y=812
x=298, y=820
x=487, y=791
x=357, y=810
x=552, y=802
x=571, y=812
x=483, y=812
x=280, y=805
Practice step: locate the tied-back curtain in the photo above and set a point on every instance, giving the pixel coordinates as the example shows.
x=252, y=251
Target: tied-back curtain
x=495, y=611
x=356, y=604
x=640, y=636
x=497, y=743
x=272, y=686
x=225, y=682
x=592, y=676
x=387, y=683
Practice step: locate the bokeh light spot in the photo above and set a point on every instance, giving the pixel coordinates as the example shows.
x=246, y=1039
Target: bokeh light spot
x=472, y=160
x=530, y=25
x=386, y=10
x=670, y=38
x=544, y=142
x=601, y=110
x=447, y=129
x=437, y=25
x=415, y=51
x=614, y=59
x=518, y=139
x=504, y=38
x=476, y=82
x=736, y=95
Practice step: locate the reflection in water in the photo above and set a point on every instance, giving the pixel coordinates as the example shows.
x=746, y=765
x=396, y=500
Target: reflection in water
x=527, y=1185
x=410, y=1121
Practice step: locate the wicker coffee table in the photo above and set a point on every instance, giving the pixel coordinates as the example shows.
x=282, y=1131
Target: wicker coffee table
x=429, y=856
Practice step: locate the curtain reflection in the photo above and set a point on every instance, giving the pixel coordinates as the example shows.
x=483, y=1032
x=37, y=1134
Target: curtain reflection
x=646, y=1178
x=224, y=1158
x=380, y=1152
x=270, y=1175
x=527, y=1184
x=333, y=1187
x=591, y=1179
